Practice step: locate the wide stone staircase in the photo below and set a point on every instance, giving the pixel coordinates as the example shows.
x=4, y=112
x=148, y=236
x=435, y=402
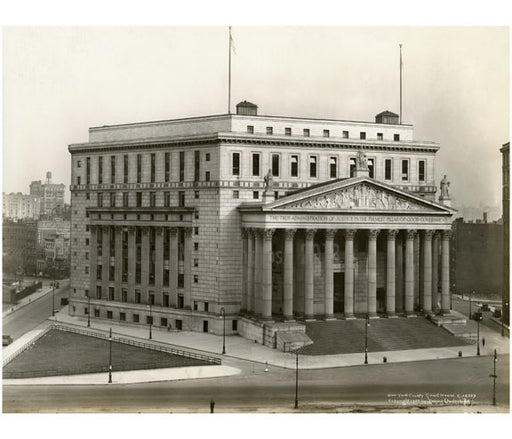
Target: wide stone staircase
x=348, y=336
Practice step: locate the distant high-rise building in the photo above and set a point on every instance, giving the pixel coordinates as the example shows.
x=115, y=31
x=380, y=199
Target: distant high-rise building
x=19, y=246
x=505, y=151
x=51, y=195
x=18, y=206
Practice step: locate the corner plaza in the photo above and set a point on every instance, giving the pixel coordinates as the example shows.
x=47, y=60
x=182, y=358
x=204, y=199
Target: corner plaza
x=345, y=247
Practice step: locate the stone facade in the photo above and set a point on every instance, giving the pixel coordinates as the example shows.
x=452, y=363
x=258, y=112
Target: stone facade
x=172, y=200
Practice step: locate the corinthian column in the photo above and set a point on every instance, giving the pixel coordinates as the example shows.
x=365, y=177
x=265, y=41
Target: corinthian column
x=372, y=272
x=250, y=271
x=445, y=273
x=328, y=291
x=288, y=275
x=266, y=284
x=409, y=272
x=348, y=298
x=308, y=281
x=427, y=271
x=391, y=274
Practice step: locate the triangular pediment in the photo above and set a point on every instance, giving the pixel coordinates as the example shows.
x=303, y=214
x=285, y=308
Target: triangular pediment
x=360, y=193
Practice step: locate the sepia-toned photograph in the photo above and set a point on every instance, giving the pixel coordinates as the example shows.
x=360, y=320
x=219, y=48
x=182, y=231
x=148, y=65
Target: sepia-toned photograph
x=255, y=219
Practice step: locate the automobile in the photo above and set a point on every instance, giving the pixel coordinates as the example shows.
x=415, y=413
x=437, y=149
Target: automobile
x=64, y=301
x=485, y=307
x=497, y=313
x=477, y=316
x=6, y=340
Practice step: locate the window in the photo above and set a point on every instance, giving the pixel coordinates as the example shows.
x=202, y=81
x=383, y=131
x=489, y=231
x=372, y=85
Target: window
x=196, y=278
x=207, y=176
x=196, y=230
x=163, y=321
x=112, y=199
x=100, y=199
x=196, y=195
x=96, y=312
x=270, y=130
x=87, y=196
x=86, y=256
x=236, y=195
x=179, y=323
x=139, y=168
x=396, y=137
x=88, y=170
x=312, y=166
x=109, y=315
x=78, y=180
x=380, y=136
x=167, y=199
x=151, y=298
x=137, y=296
x=122, y=316
x=180, y=304
x=135, y=318
x=196, y=262
x=126, y=198
x=255, y=195
x=98, y=292
x=275, y=165
x=326, y=133
x=207, y=157
x=196, y=246
x=250, y=129
x=112, y=169
x=100, y=170
x=362, y=135
x=125, y=169
x=152, y=199
x=167, y=160
x=195, y=305
x=352, y=167
x=234, y=325
x=206, y=306
x=255, y=164
x=78, y=163
x=181, y=197
x=197, y=165
x=345, y=134
x=405, y=170
x=86, y=270
x=124, y=295
x=138, y=196
x=421, y=170
x=306, y=132
x=236, y=163
x=371, y=168
x=182, y=165
x=86, y=241
x=294, y=166
x=387, y=169
x=153, y=169
x=333, y=167
x=287, y=131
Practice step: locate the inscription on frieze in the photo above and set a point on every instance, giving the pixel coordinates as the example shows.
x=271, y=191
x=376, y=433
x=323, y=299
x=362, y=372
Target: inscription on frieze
x=358, y=218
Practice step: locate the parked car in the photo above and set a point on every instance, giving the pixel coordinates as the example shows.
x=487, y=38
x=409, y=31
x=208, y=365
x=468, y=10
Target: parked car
x=6, y=340
x=485, y=307
x=64, y=301
x=497, y=313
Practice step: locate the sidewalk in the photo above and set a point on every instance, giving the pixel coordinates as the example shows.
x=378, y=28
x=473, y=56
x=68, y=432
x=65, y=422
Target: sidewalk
x=46, y=289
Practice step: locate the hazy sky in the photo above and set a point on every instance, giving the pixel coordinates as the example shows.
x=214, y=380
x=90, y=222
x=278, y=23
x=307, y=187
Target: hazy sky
x=58, y=82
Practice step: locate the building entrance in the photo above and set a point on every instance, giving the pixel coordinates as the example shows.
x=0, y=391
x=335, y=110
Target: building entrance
x=339, y=292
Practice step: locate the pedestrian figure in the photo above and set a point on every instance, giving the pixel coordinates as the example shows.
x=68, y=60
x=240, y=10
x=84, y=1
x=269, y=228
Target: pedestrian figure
x=483, y=342
x=212, y=406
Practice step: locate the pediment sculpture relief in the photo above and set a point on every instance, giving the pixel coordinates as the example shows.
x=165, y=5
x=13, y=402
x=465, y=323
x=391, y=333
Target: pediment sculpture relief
x=355, y=197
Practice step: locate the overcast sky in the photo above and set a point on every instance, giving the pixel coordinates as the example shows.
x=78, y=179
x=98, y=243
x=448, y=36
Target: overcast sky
x=58, y=82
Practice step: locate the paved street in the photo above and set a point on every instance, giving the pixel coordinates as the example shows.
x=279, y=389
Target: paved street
x=255, y=389
x=31, y=315
x=462, y=306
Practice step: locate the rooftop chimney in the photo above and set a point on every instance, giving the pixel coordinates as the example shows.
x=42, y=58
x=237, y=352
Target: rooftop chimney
x=246, y=108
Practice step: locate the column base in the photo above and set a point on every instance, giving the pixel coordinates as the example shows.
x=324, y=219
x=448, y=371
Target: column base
x=392, y=316
x=410, y=314
x=309, y=318
x=445, y=312
x=373, y=316
x=428, y=313
x=349, y=317
x=288, y=319
x=329, y=317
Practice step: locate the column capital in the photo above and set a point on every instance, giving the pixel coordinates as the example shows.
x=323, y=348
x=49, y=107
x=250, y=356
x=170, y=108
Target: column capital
x=188, y=231
x=349, y=234
x=246, y=232
x=392, y=234
x=131, y=229
x=118, y=229
x=173, y=230
x=159, y=230
x=372, y=234
x=145, y=229
x=329, y=234
x=289, y=234
x=447, y=234
x=428, y=234
x=93, y=228
x=267, y=234
x=411, y=233
x=310, y=234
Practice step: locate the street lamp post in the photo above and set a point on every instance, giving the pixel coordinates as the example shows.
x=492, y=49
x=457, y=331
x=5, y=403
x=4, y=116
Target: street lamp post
x=297, y=379
x=478, y=317
x=494, y=376
x=150, y=321
x=367, y=323
x=88, y=310
x=223, y=312
x=110, y=357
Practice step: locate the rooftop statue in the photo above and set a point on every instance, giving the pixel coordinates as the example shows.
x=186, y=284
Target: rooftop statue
x=362, y=161
x=444, y=188
x=269, y=181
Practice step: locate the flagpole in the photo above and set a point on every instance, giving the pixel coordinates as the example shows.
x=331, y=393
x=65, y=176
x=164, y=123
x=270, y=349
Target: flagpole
x=400, y=121
x=229, y=74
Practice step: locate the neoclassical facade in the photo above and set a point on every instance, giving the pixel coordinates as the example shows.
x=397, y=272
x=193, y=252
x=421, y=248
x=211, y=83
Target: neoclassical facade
x=265, y=220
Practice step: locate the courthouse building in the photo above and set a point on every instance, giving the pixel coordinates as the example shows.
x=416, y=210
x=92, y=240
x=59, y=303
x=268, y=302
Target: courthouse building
x=267, y=220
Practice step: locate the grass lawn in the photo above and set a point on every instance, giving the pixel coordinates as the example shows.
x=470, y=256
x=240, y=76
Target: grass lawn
x=66, y=353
